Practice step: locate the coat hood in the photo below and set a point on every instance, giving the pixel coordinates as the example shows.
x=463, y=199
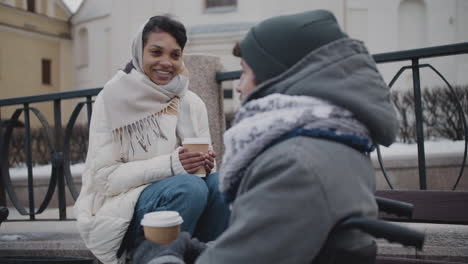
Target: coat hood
x=345, y=74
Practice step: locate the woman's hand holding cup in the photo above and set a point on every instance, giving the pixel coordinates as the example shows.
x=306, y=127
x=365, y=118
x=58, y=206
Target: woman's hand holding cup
x=195, y=156
x=209, y=161
x=191, y=161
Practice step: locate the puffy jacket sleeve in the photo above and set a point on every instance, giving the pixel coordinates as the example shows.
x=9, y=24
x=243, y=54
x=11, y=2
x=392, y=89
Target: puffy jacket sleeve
x=203, y=127
x=281, y=216
x=199, y=116
x=114, y=177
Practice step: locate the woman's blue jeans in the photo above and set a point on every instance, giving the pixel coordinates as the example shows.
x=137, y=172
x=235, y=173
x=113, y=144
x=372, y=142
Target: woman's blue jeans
x=197, y=200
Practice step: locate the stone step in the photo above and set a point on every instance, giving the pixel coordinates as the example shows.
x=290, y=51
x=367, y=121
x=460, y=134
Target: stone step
x=61, y=238
x=42, y=238
x=443, y=242
x=43, y=244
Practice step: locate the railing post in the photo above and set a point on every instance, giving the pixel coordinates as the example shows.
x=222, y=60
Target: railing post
x=89, y=109
x=27, y=138
x=2, y=186
x=57, y=161
x=419, y=124
x=2, y=189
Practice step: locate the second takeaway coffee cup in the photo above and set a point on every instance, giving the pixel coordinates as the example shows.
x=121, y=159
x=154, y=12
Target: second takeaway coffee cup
x=161, y=227
x=197, y=145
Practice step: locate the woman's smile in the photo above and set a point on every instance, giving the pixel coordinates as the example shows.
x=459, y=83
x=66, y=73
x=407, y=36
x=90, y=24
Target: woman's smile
x=162, y=74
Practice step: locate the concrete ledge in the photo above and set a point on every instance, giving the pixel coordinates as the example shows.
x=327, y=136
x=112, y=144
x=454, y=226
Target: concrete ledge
x=41, y=177
x=442, y=171
x=41, y=185
x=443, y=242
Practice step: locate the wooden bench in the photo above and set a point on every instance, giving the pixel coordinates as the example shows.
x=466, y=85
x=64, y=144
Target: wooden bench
x=443, y=215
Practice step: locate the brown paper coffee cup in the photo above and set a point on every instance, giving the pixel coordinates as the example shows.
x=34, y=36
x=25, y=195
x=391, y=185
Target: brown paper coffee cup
x=197, y=145
x=161, y=227
x=161, y=235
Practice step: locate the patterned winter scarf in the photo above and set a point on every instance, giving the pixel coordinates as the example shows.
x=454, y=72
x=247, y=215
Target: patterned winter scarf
x=134, y=103
x=261, y=122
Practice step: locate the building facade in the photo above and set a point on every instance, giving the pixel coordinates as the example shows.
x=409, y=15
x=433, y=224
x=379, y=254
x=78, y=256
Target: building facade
x=35, y=50
x=106, y=28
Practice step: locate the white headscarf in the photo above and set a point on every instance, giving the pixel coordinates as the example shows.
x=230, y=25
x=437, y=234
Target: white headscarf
x=134, y=102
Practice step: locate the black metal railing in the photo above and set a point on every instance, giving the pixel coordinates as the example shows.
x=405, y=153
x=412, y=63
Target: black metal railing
x=56, y=141
x=59, y=141
x=414, y=56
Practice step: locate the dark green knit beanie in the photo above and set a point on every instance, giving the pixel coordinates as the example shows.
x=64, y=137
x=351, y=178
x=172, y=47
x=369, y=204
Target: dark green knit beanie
x=276, y=44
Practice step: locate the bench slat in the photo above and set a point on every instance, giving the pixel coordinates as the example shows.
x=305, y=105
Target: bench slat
x=391, y=260
x=447, y=207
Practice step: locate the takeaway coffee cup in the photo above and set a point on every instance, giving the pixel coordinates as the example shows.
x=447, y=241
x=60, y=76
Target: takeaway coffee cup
x=197, y=145
x=161, y=227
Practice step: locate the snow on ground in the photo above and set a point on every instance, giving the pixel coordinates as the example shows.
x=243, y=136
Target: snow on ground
x=42, y=171
x=11, y=237
x=430, y=147
x=397, y=149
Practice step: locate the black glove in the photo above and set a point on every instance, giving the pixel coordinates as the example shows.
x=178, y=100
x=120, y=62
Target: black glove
x=184, y=248
x=194, y=249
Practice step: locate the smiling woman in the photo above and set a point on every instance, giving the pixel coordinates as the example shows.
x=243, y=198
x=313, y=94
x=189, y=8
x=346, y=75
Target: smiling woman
x=135, y=163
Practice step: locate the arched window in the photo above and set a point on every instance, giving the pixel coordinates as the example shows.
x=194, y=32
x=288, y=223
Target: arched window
x=83, y=47
x=412, y=24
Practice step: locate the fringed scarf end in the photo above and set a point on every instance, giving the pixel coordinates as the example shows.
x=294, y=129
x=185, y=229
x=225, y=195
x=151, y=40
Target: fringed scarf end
x=139, y=131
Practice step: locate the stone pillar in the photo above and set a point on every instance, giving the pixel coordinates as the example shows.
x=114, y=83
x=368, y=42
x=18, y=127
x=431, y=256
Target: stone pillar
x=202, y=69
x=2, y=188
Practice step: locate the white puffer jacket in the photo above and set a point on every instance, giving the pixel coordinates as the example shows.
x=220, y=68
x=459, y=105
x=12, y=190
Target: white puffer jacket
x=110, y=188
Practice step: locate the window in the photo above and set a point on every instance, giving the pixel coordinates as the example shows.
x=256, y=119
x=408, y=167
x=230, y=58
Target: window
x=412, y=24
x=220, y=3
x=31, y=5
x=46, y=71
x=83, y=48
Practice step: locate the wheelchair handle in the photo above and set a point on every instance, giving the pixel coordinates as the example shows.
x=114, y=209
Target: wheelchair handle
x=389, y=231
x=395, y=207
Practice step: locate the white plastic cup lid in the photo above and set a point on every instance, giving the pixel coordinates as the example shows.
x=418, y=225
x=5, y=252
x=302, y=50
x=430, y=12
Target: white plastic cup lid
x=196, y=141
x=162, y=219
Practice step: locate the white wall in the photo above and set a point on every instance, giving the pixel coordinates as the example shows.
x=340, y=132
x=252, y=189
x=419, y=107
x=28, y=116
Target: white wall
x=462, y=36
x=378, y=23
x=96, y=73
x=446, y=24
x=193, y=12
x=126, y=17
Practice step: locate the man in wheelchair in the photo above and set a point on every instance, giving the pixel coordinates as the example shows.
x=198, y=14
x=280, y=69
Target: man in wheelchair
x=296, y=169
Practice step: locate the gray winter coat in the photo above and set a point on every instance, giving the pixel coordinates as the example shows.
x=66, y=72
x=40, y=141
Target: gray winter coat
x=295, y=192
